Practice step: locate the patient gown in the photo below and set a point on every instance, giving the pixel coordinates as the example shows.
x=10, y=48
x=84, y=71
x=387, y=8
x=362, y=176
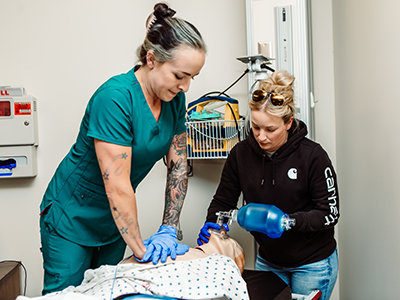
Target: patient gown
x=212, y=277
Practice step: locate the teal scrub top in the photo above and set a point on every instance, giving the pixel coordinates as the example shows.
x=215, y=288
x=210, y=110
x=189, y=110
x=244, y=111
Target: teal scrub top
x=75, y=200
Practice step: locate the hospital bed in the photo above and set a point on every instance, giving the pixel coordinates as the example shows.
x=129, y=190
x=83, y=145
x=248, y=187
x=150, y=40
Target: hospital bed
x=260, y=286
x=211, y=271
x=258, y=283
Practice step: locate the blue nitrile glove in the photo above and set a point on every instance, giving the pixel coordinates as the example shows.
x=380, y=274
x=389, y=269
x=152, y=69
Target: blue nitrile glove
x=181, y=249
x=204, y=235
x=163, y=244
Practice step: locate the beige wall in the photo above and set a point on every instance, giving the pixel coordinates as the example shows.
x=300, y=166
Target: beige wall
x=366, y=43
x=324, y=96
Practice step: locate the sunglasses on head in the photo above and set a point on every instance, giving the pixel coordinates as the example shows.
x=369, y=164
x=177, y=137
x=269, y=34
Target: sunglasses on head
x=275, y=98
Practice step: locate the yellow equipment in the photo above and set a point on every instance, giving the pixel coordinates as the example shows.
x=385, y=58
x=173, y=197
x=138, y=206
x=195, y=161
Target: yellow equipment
x=211, y=134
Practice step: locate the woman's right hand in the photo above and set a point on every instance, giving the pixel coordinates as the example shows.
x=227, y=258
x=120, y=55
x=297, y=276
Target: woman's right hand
x=204, y=235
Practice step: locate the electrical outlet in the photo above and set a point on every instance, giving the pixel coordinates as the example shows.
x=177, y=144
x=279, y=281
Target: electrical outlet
x=265, y=48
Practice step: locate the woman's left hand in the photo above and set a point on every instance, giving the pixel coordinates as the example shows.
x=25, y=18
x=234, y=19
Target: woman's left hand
x=163, y=244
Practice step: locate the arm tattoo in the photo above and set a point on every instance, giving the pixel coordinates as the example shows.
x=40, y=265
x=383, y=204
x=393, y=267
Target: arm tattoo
x=105, y=175
x=117, y=169
x=127, y=219
x=177, y=182
x=124, y=230
x=179, y=144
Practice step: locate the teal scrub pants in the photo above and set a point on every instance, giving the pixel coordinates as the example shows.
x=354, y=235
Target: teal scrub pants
x=65, y=262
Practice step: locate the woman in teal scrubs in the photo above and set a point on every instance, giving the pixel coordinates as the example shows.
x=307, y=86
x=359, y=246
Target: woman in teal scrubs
x=88, y=212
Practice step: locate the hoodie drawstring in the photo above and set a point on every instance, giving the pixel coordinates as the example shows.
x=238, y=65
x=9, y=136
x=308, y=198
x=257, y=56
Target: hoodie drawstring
x=263, y=170
x=273, y=170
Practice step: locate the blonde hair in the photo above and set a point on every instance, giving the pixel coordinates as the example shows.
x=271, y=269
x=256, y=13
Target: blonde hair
x=280, y=82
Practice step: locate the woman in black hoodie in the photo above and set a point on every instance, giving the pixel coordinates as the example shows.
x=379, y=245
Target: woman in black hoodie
x=278, y=165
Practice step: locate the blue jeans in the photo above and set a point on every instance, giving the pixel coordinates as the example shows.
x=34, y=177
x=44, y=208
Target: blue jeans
x=303, y=280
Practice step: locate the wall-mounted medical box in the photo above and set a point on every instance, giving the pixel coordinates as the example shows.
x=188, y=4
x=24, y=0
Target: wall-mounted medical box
x=18, y=133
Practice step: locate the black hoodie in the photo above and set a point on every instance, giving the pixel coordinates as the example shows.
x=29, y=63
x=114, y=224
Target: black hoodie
x=300, y=180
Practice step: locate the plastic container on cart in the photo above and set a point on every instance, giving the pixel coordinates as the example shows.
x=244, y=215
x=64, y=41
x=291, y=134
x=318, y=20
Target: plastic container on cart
x=211, y=134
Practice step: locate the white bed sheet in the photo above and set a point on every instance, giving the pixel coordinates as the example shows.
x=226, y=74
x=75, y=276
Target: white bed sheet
x=212, y=277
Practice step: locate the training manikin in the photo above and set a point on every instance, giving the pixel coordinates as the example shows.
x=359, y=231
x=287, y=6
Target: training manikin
x=213, y=269
x=219, y=243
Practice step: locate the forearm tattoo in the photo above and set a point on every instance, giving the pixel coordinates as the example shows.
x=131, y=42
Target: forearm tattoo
x=128, y=220
x=177, y=182
x=129, y=227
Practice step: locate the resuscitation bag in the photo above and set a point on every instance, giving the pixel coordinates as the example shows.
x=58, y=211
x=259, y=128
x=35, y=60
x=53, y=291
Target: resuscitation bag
x=265, y=218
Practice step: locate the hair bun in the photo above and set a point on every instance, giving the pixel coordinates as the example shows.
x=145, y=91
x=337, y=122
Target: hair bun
x=282, y=78
x=162, y=11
